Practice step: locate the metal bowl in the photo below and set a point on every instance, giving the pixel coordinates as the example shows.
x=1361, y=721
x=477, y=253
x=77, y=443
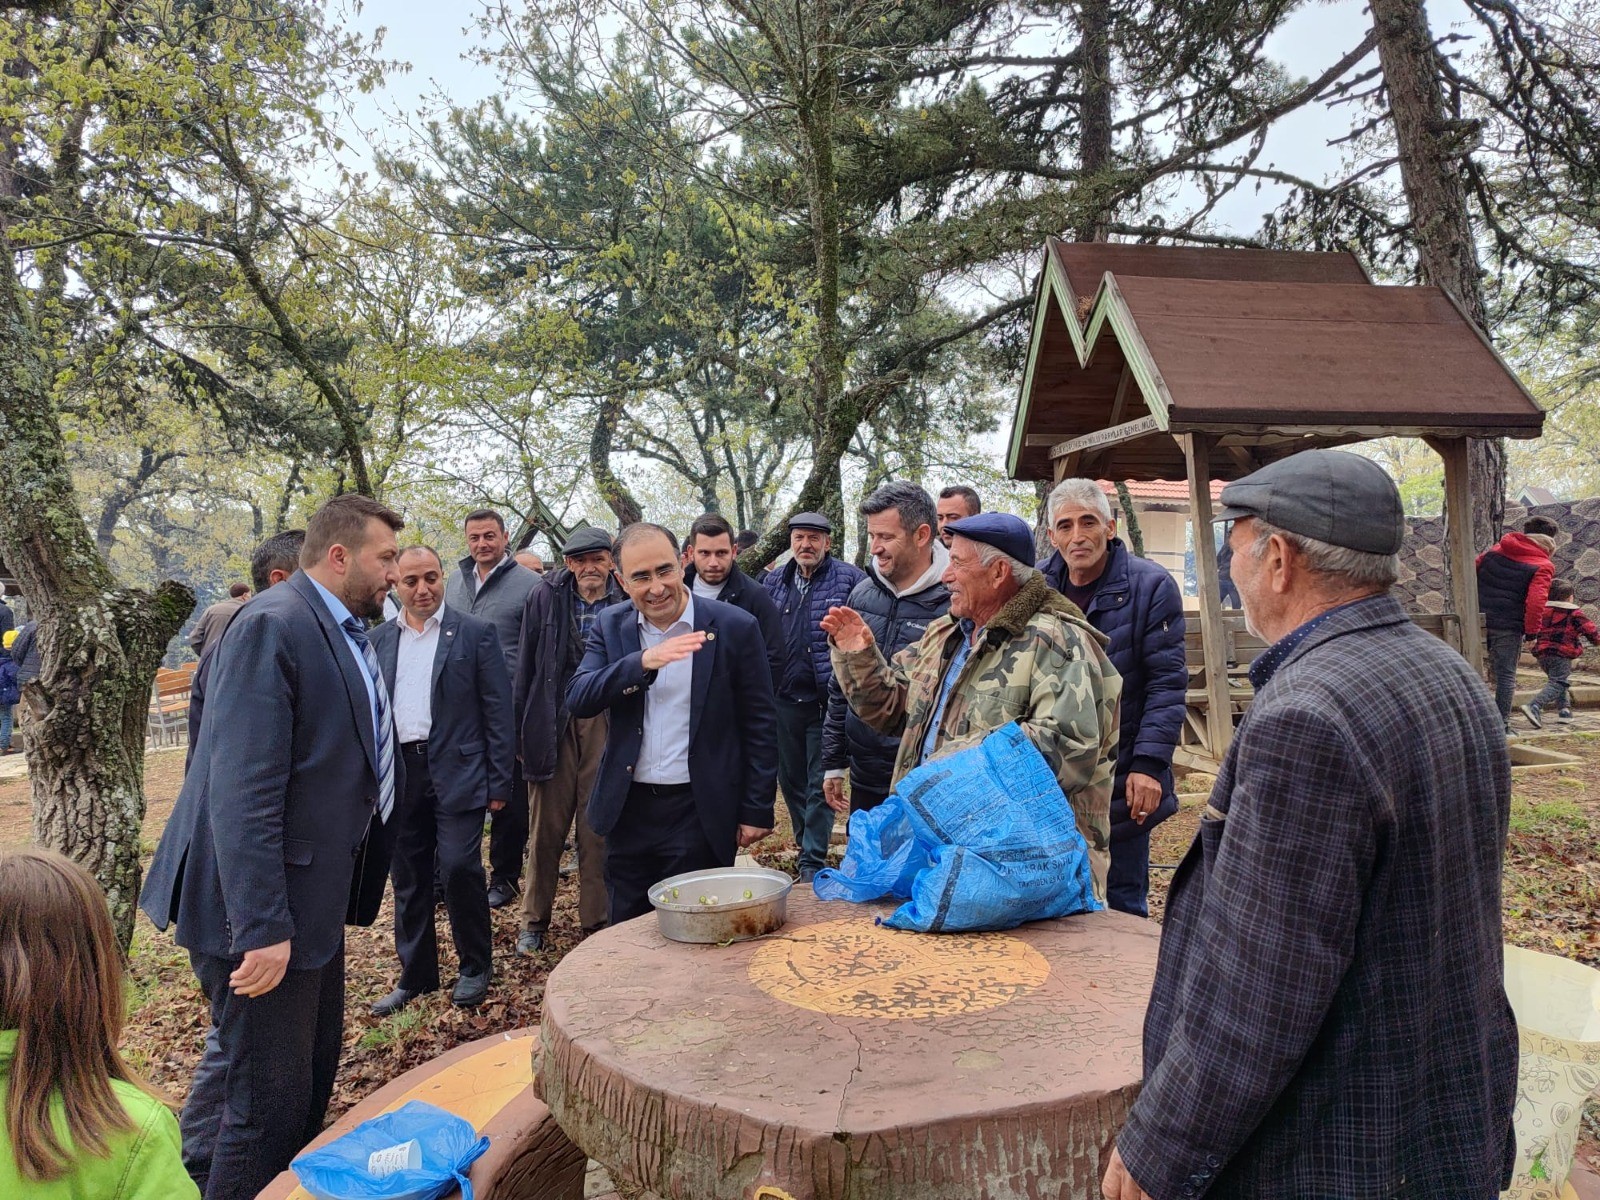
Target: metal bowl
x=732, y=918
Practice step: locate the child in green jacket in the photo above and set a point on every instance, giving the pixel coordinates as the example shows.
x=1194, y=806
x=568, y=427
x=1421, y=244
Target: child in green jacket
x=78, y=1123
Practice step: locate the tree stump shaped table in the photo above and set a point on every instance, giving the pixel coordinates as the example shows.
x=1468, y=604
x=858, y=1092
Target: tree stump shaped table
x=841, y=1060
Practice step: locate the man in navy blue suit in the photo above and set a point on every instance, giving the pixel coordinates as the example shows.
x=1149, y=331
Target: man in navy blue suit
x=691, y=761
x=293, y=777
x=447, y=676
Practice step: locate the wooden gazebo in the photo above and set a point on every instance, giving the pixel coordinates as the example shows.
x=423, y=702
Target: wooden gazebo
x=1157, y=362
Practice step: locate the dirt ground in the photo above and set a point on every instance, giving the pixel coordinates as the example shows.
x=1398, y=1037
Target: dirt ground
x=1552, y=903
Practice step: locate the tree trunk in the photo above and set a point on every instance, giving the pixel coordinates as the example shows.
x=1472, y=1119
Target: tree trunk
x=1094, y=113
x=1130, y=520
x=99, y=643
x=1431, y=146
x=610, y=486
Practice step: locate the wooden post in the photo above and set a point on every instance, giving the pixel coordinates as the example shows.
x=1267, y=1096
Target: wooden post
x=1460, y=552
x=1213, y=638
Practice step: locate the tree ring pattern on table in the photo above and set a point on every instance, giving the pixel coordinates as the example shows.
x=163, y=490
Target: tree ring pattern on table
x=856, y=968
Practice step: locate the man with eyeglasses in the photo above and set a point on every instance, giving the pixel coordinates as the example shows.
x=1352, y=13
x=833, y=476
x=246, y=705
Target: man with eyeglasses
x=691, y=760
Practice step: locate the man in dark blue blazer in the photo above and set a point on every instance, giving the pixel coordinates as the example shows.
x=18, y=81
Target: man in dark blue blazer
x=691, y=759
x=292, y=777
x=446, y=674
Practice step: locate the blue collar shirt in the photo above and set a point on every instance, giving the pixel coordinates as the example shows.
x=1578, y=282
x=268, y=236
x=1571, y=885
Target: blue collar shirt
x=340, y=615
x=664, y=745
x=958, y=660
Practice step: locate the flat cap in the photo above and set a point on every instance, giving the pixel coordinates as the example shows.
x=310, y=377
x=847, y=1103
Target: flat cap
x=1329, y=496
x=586, y=539
x=1003, y=531
x=810, y=521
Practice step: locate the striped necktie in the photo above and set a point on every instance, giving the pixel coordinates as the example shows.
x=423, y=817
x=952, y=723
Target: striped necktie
x=358, y=634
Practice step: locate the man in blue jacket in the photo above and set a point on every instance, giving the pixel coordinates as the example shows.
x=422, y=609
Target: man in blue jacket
x=804, y=589
x=691, y=743
x=1136, y=604
x=901, y=594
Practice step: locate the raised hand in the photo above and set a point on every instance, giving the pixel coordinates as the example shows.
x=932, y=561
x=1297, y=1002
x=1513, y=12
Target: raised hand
x=848, y=631
x=673, y=649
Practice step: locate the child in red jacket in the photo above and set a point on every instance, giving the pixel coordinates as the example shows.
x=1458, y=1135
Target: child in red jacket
x=1560, y=640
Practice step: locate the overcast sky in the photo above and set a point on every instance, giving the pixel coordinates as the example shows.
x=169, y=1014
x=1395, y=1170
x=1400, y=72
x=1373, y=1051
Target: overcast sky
x=1311, y=41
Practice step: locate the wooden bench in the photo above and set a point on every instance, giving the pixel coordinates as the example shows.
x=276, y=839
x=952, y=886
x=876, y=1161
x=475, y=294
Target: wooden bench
x=1242, y=648
x=168, y=721
x=489, y=1083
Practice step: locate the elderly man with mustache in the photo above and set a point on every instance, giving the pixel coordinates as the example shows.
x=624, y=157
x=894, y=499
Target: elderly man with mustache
x=560, y=753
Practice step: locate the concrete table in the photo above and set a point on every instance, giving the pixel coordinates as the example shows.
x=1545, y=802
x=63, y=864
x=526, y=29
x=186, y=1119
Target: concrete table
x=840, y=1059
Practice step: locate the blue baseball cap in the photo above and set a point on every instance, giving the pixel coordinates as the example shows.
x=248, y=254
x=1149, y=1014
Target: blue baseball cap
x=1003, y=531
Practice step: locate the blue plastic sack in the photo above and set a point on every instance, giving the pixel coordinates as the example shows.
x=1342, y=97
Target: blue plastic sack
x=448, y=1145
x=981, y=839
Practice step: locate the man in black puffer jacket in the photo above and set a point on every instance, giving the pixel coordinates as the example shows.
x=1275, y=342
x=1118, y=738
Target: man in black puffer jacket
x=1513, y=582
x=713, y=573
x=804, y=589
x=901, y=594
x=1136, y=604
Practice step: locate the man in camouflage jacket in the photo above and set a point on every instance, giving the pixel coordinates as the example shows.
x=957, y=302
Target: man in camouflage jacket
x=1010, y=649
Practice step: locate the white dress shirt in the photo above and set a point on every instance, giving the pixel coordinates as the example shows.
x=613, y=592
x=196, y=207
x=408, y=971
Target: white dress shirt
x=413, y=678
x=664, y=748
x=479, y=579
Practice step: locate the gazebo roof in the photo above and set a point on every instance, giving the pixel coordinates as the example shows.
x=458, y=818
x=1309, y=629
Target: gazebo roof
x=1268, y=351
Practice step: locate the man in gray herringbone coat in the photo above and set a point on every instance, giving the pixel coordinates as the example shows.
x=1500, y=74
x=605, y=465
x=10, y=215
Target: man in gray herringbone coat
x=1328, y=1018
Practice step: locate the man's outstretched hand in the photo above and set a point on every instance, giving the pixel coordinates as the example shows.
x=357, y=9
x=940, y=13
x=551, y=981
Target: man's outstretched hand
x=848, y=631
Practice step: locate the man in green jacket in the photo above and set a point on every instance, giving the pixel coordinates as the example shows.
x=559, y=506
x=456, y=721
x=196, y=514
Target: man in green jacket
x=1010, y=649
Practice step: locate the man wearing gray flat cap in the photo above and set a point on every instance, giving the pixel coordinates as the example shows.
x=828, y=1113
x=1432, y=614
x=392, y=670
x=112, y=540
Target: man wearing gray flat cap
x=803, y=589
x=1328, y=1017
x=561, y=753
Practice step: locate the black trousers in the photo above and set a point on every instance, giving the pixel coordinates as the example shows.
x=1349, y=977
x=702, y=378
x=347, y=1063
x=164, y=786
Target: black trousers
x=508, y=833
x=862, y=798
x=423, y=833
x=1128, y=879
x=277, y=1055
x=659, y=834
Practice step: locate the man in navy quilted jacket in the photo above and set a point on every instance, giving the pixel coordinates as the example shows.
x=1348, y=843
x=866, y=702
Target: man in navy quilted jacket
x=804, y=588
x=1136, y=604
